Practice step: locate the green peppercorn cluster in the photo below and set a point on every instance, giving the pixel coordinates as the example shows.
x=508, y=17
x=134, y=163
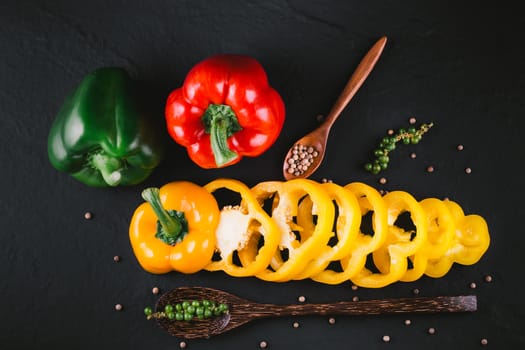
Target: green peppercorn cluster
x=388, y=144
x=189, y=310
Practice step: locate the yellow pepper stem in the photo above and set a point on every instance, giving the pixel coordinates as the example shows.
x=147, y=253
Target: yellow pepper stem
x=171, y=225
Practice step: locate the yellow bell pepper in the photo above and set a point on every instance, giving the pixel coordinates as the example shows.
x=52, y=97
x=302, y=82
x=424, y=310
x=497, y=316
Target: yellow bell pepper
x=175, y=228
x=292, y=230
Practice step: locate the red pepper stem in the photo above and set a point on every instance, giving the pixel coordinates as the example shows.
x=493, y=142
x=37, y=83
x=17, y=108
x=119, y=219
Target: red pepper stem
x=170, y=225
x=109, y=167
x=221, y=122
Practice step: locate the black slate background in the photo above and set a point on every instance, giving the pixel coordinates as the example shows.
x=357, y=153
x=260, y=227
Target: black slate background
x=456, y=63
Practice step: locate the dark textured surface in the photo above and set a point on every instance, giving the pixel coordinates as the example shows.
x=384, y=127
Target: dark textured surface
x=458, y=64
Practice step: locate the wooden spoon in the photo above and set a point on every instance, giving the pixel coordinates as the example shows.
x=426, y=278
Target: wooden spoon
x=316, y=140
x=242, y=311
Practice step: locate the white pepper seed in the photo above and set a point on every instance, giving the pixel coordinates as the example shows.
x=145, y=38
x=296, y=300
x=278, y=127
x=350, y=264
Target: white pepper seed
x=88, y=215
x=413, y=155
x=118, y=307
x=300, y=160
x=431, y=330
x=155, y=290
x=355, y=298
x=484, y=341
x=472, y=285
x=468, y=170
x=116, y=258
x=263, y=344
x=430, y=169
x=382, y=180
x=408, y=322
x=296, y=325
x=331, y=320
x=488, y=278
x=390, y=132
x=354, y=287
x=386, y=338
x=459, y=147
x=415, y=291
x=183, y=345
x=301, y=299
x=412, y=120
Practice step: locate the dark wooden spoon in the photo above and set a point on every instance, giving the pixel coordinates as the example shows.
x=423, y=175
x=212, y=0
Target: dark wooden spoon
x=316, y=140
x=242, y=311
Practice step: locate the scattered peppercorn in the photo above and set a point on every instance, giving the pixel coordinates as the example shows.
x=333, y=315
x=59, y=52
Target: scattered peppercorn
x=116, y=258
x=412, y=120
x=488, y=278
x=355, y=298
x=459, y=147
x=296, y=325
x=354, y=287
x=386, y=338
x=88, y=215
x=263, y=344
x=382, y=180
x=331, y=320
x=302, y=299
x=430, y=169
x=472, y=285
x=413, y=155
x=415, y=291
x=410, y=135
x=408, y=322
x=468, y=170
x=118, y=307
x=431, y=330
x=155, y=290
x=484, y=341
x=183, y=345
x=390, y=132
x=301, y=158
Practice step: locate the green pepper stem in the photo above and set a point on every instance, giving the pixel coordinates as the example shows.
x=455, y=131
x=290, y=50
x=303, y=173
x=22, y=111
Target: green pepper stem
x=110, y=168
x=221, y=122
x=171, y=225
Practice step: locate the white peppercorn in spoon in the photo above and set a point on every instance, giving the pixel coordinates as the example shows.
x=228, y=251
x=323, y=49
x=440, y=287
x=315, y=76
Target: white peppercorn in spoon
x=307, y=153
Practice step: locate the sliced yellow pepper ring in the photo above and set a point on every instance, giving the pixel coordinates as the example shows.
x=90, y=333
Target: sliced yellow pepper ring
x=391, y=257
x=440, y=234
x=259, y=224
x=347, y=228
x=370, y=201
x=288, y=195
x=470, y=241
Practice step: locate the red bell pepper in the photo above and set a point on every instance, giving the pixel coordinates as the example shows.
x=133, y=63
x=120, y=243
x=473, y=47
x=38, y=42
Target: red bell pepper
x=225, y=110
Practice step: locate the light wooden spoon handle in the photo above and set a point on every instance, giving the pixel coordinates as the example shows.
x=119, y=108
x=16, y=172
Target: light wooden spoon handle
x=356, y=80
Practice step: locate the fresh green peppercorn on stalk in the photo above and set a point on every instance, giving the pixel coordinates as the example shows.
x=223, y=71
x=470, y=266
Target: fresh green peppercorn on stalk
x=100, y=136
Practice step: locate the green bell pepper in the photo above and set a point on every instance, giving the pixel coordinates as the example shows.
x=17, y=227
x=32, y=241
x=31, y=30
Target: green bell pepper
x=100, y=136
